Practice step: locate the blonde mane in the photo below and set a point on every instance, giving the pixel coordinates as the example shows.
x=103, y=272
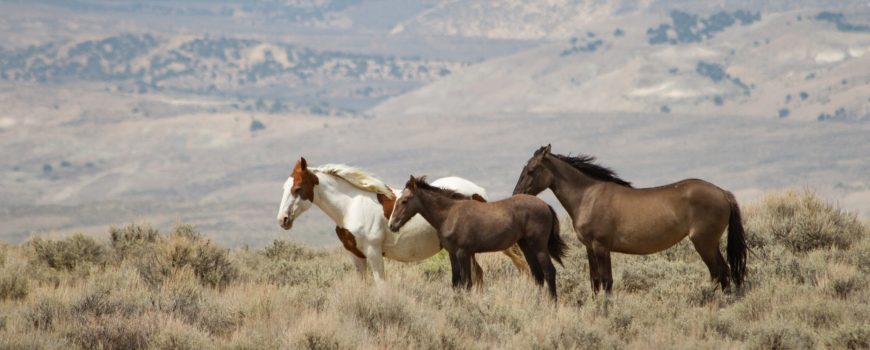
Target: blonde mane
x=356, y=177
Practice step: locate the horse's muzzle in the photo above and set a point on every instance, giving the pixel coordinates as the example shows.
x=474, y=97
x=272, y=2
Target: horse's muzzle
x=285, y=222
x=394, y=226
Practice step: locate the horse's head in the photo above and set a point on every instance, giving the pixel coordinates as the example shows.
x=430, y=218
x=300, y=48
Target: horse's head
x=407, y=205
x=298, y=194
x=535, y=176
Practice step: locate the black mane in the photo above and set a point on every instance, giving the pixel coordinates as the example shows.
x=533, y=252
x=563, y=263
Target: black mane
x=585, y=164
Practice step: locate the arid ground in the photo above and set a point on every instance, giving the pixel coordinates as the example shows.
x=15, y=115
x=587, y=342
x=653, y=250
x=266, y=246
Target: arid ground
x=136, y=288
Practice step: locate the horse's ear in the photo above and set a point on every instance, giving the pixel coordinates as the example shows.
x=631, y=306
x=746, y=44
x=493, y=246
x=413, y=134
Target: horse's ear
x=547, y=149
x=303, y=163
x=412, y=183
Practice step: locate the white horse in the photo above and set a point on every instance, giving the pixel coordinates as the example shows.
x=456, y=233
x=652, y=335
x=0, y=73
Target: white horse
x=361, y=206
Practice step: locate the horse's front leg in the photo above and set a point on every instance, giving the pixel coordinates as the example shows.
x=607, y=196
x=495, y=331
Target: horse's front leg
x=593, y=271
x=360, y=264
x=374, y=254
x=602, y=256
x=455, y=273
x=464, y=259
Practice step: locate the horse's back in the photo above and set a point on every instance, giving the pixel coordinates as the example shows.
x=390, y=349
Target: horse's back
x=522, y=209
x=492, y=226
x=460, y=185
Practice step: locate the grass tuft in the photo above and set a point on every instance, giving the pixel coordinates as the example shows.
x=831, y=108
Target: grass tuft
x=138, y=288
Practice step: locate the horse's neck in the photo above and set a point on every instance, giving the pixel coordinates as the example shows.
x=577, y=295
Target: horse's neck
x=435, y=208
x=569, y=184
x=334, y=196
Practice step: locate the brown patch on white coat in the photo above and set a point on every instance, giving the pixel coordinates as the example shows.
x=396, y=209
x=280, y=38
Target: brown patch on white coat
x=349, y=241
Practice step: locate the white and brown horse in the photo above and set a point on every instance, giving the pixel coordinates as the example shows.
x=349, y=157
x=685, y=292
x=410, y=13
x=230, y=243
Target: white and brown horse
x=360, y=205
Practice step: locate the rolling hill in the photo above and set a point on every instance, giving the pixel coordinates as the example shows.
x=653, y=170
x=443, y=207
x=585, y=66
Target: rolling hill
x=194, y=112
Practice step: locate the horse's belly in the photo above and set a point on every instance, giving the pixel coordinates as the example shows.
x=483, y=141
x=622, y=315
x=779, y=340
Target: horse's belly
x=415, y=241
x=647, y=241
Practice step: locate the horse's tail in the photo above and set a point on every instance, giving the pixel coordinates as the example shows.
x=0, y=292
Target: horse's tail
x=737, y=248
x=556, y=245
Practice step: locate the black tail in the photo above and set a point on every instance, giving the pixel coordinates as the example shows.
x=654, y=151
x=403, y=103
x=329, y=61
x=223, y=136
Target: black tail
x=556, y=245
x=736, y=242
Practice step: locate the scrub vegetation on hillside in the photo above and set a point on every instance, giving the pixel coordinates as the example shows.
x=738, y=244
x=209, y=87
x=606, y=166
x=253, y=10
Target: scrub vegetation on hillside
x=137, y=288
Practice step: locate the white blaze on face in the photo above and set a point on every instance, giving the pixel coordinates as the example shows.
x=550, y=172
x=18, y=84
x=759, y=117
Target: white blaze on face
x=291, y=206
x=286, y=198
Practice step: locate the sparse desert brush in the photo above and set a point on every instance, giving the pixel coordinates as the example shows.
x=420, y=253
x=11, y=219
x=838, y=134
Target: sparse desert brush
x=68, y=254
x=14, y=283
x=158, y=257
x=801, y=221
x=138, y=288
x=131, y=239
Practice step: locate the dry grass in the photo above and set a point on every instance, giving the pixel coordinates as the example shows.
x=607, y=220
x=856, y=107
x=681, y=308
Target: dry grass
x=807, y=288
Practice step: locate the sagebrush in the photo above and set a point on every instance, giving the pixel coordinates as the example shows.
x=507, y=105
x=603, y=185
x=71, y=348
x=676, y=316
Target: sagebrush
x=807, y=287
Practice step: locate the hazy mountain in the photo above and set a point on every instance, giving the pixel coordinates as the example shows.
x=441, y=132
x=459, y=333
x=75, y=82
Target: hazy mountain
x=221, y=66
x=799, y=65
x=194, y=111
x=562, y=19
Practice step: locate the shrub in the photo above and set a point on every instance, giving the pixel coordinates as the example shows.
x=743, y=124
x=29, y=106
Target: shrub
x=28, y=341
x=4, y=251
x=851, y=337
x=67, y=254
x=210, y=263
x=284, y=250
x=114, y=332
x=803, y=222
x=131, y=238
x=44, y=313
x=184, y=298
x=174, y=334
x=845, y=280
x=779, y=335
x=315, y=332
x=288, y=264
x=13, y=284
x=181, y=296
x=186, y=247
x=257, y=125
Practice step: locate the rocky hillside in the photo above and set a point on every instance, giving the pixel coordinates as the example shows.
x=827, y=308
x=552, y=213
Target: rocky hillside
x=804, y=65
x=562, y=19
x=220, y=66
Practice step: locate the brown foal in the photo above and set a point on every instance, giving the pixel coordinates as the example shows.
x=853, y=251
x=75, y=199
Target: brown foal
x=466, y=227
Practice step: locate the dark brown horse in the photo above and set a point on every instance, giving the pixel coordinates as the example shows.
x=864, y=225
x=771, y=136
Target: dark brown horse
x=611, y=216
x=466, y=227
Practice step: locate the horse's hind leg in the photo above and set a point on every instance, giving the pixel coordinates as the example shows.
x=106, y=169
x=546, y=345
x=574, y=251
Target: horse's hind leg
x=516, y=256
x=549, y=271
x=476, y=272
x=531, y=259
x=707, y=247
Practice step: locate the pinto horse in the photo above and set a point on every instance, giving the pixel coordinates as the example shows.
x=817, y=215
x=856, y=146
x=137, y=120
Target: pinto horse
x=611, y=216
x=469, y=227
x=360, y=206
